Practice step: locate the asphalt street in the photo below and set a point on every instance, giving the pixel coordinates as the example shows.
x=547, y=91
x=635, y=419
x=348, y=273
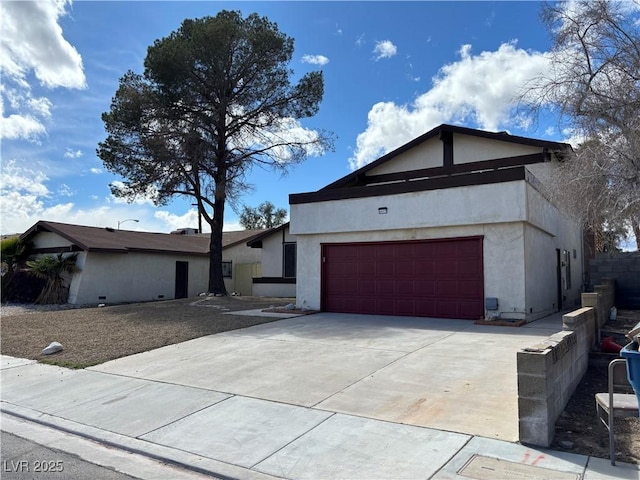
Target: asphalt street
x=23, y=459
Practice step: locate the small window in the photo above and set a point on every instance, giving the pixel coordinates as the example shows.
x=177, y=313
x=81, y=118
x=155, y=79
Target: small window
x=227, y=268
x=289, y=258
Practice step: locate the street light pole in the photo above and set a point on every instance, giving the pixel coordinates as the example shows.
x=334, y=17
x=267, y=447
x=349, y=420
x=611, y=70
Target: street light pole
x=127, y=220
x=199, y=217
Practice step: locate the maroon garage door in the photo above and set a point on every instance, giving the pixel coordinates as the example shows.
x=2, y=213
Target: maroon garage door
x=434, y=278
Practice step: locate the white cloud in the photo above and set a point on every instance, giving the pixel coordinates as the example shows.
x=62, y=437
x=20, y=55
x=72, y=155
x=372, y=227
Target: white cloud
x=70, y=153
x=479, y=90
x=174, y=222
x=147, y=199
x=65, y=190
x=384, y=49
x=315, y=59
x=32, y=42
x=95, y=171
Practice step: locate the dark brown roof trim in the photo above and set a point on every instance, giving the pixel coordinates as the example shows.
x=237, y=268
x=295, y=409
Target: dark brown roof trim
x=69, y=249
x=274, y=280
x=458, y=169
x=444, y=131
x=464, y=180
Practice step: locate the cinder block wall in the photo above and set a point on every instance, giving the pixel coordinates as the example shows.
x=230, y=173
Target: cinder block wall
x=624, y=269
x=549, y=372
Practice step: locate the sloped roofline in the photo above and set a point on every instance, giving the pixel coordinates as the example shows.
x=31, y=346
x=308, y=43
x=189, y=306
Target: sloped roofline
x=124, y=241
x=256, y=242
x=439, y=131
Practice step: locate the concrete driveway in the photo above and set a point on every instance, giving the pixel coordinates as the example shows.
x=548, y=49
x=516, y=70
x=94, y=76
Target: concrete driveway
x=319, y=396
x=445, y=374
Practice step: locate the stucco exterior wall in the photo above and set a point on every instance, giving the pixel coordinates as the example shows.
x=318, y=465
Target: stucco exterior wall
x=239, y=254
x=272, y=255
x=50, y=240
x=135, y=277
x=502, y=248
x=468, y=149
x=521, y=232
x=272, y=252
x=547, y=230
x=425, y=155
x=481, y=204
x=276, y=290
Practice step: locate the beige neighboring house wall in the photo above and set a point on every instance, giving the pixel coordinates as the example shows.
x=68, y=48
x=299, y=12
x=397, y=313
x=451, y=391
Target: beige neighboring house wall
x=245, y=264
x=134, y=277
x=274, y=280
x=118, y=266
x=522, y=231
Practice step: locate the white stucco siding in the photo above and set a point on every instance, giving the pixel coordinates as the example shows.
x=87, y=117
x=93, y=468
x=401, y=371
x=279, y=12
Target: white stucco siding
x=241, y=253
x=76, y=280
x=540, y=264
x=272, y=263
x=467, y=149
x=541, y=267
x=481, y=204
x=49, y=240
x=425, y=155
x=503, y=246
x=548, y=229
x=276, y=290
x=136, y=277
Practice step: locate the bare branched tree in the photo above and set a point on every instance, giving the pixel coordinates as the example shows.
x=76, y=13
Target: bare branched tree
x=593, y=82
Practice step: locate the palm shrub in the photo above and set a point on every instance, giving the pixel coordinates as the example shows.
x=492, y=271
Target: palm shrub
x=52, y=270
x=13, y=252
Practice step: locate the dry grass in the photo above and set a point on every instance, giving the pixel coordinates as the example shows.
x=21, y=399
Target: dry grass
x=95, y=335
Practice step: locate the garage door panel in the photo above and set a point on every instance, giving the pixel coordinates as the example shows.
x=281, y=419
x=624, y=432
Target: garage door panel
x=471, y=289
x=446, y=308
x=385, y=287
x=367, y=287
x=425, y=288
x=424, y=268
x=404, y=268
x=435, y=278
x=469, y=268
x=447, y=288
x=385, y=268
x=469, y=309
x=367, y=268
x=405, y=288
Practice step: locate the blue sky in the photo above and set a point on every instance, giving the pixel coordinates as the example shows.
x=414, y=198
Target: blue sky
x=392, y=70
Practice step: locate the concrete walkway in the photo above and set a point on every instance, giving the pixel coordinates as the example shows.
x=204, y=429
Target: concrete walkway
x=320, y=396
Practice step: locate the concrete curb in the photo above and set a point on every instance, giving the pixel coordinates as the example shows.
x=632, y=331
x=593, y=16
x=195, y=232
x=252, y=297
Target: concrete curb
x=185, y=460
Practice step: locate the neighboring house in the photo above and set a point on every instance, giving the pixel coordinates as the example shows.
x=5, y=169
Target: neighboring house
x=453, y=224
x=125, y=266
x=239, y=262
x=278, y=259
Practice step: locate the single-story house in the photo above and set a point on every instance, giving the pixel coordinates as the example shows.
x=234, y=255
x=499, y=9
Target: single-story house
x=119, y=266
x=278, y=261
x=453, y=224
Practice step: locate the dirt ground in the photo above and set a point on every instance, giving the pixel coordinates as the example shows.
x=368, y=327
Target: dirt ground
x=95, y=335
x=579, y=424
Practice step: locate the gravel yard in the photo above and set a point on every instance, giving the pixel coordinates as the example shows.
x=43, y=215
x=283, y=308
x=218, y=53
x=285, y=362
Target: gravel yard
x=93, y=335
